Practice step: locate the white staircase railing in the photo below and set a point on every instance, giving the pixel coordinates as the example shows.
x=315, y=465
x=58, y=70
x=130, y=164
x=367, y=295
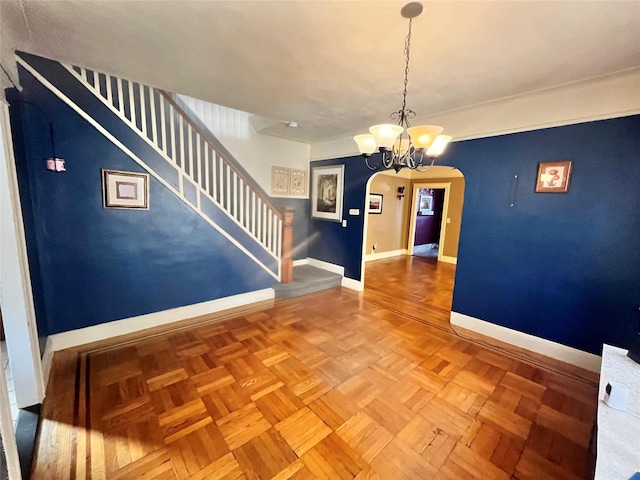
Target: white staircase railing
x=160, y=121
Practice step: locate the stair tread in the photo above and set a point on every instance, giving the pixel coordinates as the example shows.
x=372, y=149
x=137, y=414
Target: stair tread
x=307, y=279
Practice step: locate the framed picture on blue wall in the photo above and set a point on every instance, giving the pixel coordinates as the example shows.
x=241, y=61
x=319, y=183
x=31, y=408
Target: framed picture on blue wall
x=125, y=189
x=327, y=192
x=553, y=177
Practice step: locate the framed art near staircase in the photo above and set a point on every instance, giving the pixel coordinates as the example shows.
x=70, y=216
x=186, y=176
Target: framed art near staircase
x=125, y=189
x=327, y=191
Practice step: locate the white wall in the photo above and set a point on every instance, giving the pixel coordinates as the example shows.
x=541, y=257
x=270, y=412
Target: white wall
x=254, y=151
x=607, y=97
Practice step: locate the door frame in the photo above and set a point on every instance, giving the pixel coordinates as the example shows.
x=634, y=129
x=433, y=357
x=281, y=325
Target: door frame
x=18, y=309
x=7, y=432
x=446, y=186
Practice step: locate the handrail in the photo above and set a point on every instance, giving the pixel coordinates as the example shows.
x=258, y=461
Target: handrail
x=201, y=162
x=247, y=179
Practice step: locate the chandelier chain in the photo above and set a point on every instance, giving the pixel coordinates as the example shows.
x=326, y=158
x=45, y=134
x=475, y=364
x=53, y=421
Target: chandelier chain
x=397, y=146
x=407, y=49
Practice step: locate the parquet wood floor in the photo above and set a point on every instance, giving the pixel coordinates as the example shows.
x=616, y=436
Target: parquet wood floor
x=327, y=386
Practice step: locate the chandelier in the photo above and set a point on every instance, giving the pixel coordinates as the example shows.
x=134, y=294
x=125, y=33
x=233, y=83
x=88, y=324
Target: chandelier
x=400, y=145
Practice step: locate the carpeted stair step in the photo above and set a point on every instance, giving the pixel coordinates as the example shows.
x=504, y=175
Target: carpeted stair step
x=306, y=280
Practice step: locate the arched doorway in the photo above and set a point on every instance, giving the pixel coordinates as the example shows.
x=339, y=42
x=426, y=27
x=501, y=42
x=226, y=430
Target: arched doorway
x=389, y=233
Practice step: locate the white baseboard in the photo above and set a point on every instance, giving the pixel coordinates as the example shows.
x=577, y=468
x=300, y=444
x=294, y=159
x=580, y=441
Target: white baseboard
x=331, y=267
x=73, y=338
x=566, y=354
x=302, y=261
x=352, y=284
x=446, y=259
x=389, y=254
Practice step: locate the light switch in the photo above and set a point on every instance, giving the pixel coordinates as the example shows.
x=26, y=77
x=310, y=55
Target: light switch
x=344, y=224
x=354, y=211
x=448, y=220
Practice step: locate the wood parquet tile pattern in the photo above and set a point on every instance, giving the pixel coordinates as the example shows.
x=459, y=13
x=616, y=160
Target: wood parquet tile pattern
x=416, y=286
x=327, y=386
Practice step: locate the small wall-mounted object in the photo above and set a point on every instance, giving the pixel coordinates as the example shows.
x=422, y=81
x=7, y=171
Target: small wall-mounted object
x=298, y=182
x=375, y=203
x=280, y=180
x=288, y=181
x=513, y=191
x=125, y=189
x=400, y=192
x=554, y=177
x=55, y=164
x=426, y=205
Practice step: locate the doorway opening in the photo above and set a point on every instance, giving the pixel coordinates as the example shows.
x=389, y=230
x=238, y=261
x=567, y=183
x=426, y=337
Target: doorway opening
x=428, y=222
x=395, y=243
x=435, y=216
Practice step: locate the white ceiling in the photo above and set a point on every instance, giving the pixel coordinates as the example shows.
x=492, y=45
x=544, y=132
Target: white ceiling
x=334, y=67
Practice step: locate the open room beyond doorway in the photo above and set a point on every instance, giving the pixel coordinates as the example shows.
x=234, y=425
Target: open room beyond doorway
x=421, y=287
x=427, y=214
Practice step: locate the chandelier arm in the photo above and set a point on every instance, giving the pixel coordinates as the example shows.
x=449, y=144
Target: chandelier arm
x=387, y=159
x=366, y=161
x=411, y=161
x=423, y=168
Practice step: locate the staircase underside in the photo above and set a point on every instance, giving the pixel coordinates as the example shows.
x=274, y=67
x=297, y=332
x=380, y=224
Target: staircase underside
x=307, y=279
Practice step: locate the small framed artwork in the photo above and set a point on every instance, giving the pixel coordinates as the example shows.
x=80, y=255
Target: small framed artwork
x=327, y=192
x=426, y=205
x=298, y=182
x=554, y=177
x=280, y=177
x=375, y=203
x=125, y=189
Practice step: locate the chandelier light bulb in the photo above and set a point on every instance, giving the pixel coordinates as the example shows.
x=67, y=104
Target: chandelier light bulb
x=423, y=136
x=385, y=135
x=366, y=143
x=438, y=145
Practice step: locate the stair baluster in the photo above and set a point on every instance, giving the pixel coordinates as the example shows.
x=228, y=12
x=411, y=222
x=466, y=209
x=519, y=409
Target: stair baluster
x=219, y=179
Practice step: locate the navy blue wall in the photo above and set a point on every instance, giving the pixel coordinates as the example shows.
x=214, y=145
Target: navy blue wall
x=330, y=241
x=565, y=267
x=92, y=265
